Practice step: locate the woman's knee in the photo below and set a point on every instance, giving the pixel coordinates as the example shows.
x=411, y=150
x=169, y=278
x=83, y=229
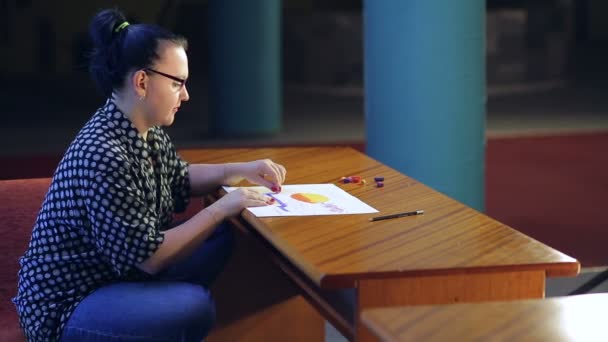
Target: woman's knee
x=225, y=233
x=196, y=303
x=221, y=243
x=195, y=310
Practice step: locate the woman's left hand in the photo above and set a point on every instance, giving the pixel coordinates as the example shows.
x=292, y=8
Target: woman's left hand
x=264, y=172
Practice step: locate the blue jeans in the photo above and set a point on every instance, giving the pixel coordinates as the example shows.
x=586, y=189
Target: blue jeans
x=174, y=306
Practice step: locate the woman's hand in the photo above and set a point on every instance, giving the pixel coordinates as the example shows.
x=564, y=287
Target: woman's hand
x=264, y=172
x=235, y=201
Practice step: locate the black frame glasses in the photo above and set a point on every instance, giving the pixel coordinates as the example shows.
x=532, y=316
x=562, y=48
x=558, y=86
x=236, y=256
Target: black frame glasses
x=181, y=81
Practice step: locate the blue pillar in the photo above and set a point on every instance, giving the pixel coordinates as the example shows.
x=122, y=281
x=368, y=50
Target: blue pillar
x=244, y=58
x=425, y=92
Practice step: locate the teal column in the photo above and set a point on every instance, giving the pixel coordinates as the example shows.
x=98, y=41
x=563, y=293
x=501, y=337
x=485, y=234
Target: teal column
x=244, y=59
x=425, y=92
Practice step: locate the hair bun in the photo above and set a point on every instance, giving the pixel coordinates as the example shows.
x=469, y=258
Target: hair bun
x=103, y=25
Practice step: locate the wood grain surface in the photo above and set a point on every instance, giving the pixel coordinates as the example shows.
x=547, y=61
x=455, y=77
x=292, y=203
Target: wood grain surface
x=338, y=250
x=575, y=318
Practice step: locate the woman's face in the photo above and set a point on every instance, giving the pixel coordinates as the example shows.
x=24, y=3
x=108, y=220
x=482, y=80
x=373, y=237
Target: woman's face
x=165, y=93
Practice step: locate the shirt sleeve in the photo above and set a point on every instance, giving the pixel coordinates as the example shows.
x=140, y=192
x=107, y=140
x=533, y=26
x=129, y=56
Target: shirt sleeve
x=124, y=224
x=180, y=178
x=181, y=185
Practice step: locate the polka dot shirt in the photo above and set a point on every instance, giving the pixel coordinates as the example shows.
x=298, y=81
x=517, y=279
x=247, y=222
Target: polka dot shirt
x=111, y=198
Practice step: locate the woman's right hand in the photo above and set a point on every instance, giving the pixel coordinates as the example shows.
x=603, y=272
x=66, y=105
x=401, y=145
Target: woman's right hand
x=235, y=201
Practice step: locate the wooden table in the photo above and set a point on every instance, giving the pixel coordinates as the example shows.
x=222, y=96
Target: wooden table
x=450, y=254
x=574, y=318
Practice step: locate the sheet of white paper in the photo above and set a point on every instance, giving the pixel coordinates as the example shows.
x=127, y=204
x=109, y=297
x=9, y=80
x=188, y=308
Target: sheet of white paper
x=309, y=200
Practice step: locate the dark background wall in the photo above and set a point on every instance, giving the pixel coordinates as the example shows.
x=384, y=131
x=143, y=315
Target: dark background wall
x=322, y=40
x=43, y=47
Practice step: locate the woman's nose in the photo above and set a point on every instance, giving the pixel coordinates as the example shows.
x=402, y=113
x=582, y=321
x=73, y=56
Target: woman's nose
x=185, y=96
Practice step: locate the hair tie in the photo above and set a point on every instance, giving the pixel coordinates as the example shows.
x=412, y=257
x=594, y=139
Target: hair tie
x=121, y=26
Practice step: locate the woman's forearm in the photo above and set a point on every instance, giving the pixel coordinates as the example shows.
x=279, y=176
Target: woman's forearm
x=205, y=178
x=181, y=240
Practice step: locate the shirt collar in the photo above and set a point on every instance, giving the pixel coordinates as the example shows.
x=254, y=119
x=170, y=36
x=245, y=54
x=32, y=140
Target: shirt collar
x=127, y=131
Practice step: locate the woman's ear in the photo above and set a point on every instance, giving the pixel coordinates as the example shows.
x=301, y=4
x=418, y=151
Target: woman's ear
x=139, y=81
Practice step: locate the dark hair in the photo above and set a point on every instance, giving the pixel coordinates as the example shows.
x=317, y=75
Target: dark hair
x=118, y=51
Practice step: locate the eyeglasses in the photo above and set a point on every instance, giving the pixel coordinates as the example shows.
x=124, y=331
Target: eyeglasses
x=181, y=81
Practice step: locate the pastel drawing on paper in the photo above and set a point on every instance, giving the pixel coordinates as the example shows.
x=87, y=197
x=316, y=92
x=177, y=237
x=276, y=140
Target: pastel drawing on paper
x=309, y=200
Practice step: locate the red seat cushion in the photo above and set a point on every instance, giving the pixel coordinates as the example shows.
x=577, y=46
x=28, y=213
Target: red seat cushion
x=20, y=202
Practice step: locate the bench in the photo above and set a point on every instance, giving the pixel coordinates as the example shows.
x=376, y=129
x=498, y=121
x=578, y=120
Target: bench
x=20, y=201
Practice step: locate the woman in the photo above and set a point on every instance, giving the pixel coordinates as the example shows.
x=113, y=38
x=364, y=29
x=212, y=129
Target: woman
x=102, y=263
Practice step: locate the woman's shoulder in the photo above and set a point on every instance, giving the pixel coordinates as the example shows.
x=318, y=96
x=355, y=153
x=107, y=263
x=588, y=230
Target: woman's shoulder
x=98, y=137
x=98, y=143
x=95, y=155
x=105, y=129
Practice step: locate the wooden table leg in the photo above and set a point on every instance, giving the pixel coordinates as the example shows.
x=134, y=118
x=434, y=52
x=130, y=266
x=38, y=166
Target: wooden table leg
x=445, y=289
x=256, y=301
